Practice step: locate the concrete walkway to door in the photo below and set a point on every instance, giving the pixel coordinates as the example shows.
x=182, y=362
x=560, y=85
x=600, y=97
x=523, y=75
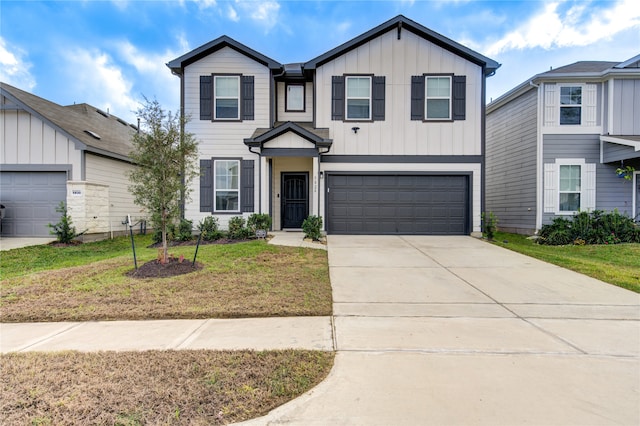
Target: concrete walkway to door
x=455, y=331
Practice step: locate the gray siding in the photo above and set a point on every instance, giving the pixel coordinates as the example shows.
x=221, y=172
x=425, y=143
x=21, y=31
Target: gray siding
x=511, y=164
x=615, y=152
x=611, y=191
x=626, y=107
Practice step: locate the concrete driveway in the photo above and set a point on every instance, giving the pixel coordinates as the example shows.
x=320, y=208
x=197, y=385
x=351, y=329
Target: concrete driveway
x=455, y=331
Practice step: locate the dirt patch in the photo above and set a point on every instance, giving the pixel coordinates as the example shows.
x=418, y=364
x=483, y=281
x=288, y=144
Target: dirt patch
x=156, y=269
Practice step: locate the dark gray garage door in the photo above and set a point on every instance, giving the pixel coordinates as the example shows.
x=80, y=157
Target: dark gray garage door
x=398, y=204
x=30, y=200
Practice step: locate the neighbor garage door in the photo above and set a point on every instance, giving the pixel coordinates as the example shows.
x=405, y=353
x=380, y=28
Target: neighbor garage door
x=397, y=204
x=30, y=200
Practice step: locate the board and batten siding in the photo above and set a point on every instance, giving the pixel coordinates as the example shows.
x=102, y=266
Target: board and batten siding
x=511, y=159
x=28, y=140
x=115, y=175
x=282, y=115
x=224, y=139
x=625, y=114
x=611, y=191
x=398, y=60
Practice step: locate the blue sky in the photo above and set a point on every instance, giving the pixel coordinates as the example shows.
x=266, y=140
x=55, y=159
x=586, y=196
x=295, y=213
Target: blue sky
x=111, y=53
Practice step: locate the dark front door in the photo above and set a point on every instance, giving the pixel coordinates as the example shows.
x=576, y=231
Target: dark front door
x=295, y=199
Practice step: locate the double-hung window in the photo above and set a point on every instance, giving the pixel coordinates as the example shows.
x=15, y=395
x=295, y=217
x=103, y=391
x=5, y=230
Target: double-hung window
x=358, y=97
x=295, y=97
x=570, y=105
x=226, y=95
x=226, y=185
x=438, y=98
x=570, y=187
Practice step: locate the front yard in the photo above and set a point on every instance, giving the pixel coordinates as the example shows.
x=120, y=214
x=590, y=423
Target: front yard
x=617, y=264
x=90, y=282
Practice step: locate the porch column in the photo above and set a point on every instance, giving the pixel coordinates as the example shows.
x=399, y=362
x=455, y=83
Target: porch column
x=316, y=186
x=264, y=185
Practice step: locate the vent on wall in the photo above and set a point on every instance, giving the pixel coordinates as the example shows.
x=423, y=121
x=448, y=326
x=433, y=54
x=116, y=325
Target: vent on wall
x=93, y=134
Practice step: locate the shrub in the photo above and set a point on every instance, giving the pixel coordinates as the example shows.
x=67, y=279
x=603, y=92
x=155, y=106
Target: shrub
x=64, y=230
x=597, y=227
x=490, y=225
x=185, y=230
x=312, y=227
x=209, y=228
x=237, y=228
x=258, y=221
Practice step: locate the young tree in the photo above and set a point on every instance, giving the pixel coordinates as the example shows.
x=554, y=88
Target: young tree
x=166, y=157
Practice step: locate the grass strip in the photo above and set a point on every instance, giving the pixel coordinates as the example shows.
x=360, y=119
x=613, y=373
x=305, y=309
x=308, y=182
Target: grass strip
x=154, y=387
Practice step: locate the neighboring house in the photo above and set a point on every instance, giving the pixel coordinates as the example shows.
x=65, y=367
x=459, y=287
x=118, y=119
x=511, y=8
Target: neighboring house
x=51, y=153
x=382, y=135
x=555, y=141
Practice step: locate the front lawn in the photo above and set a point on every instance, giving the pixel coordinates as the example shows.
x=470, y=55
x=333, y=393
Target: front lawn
x=617, y=264
x=90, y=282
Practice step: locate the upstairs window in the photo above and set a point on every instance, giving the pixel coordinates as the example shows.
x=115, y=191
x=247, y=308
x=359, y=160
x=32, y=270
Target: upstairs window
x=226, y=185
x=570, y=187
x=226, y=94
x=438, y=98
x=358, y=98
x=570, y=105
x=295, y=97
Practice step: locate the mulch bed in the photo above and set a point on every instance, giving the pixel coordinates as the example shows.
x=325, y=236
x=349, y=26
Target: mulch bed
x=156, y=269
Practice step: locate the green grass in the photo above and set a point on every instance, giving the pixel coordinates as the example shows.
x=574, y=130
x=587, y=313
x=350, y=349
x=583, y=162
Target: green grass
x=617, y=264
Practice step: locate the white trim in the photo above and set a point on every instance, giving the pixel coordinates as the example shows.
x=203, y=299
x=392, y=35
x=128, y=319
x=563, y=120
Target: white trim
x=215, y=98
x=635, y=200
x=540, y=157
x=581, y=105
x=449, y=98
x=215, y=189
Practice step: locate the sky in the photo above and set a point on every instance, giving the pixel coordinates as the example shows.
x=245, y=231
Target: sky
x=112, y=54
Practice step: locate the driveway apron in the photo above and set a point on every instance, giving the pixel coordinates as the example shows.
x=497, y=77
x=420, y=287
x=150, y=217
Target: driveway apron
x=455, y=331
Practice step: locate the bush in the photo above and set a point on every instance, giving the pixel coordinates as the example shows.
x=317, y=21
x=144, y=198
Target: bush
x=185, y=230
x=597, y=227
x=258, y=221
x=237, y=228
x=64, y=230
x=489, y=225
x=209, y=228
x=312, y=227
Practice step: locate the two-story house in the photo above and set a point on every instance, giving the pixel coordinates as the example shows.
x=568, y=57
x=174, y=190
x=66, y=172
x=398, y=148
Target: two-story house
x=382, y=135
x=554, y=144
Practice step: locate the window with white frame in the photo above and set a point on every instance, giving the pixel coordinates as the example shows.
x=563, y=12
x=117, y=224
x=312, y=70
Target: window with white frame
x=570, y=185
x=570, y=105
x=358, y=98
x=226, y=95
x=295, y=97
x=226, y=185
x=438, y=98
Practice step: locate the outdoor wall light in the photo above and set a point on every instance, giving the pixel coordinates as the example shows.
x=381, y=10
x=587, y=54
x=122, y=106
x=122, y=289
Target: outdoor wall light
x=355, y=129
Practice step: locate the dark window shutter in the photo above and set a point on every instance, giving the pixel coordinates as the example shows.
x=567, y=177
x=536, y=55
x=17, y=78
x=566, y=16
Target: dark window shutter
x=337, y=97
x=206, y=95
x=247, y=96
x=417, y=97
x=247, y=196
x=378, y=98
x=206, y=186
x=459, y=96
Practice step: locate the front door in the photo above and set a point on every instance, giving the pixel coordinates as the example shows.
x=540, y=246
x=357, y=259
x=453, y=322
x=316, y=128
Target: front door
x=295, y=199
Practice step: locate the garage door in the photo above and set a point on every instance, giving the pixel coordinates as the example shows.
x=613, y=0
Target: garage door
x=30, y=200
x=398, y=204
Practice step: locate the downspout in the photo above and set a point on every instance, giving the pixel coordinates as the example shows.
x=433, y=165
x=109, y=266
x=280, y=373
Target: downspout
x=259, y=179
x=483, y=113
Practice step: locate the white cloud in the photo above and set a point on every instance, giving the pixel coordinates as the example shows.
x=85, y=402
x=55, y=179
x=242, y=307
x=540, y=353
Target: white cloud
x=97, y=80
x=232, y=14
x=262, y=12
x=580, y=25
x=14, y=67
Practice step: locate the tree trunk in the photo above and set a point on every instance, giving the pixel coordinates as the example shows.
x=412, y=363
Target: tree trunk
x=165, y=249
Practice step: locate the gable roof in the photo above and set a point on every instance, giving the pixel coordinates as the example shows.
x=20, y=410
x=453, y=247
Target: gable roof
x=178, y=64
x=577, y=71
x=79, y=123
x=400, y=23
x=320, y=137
